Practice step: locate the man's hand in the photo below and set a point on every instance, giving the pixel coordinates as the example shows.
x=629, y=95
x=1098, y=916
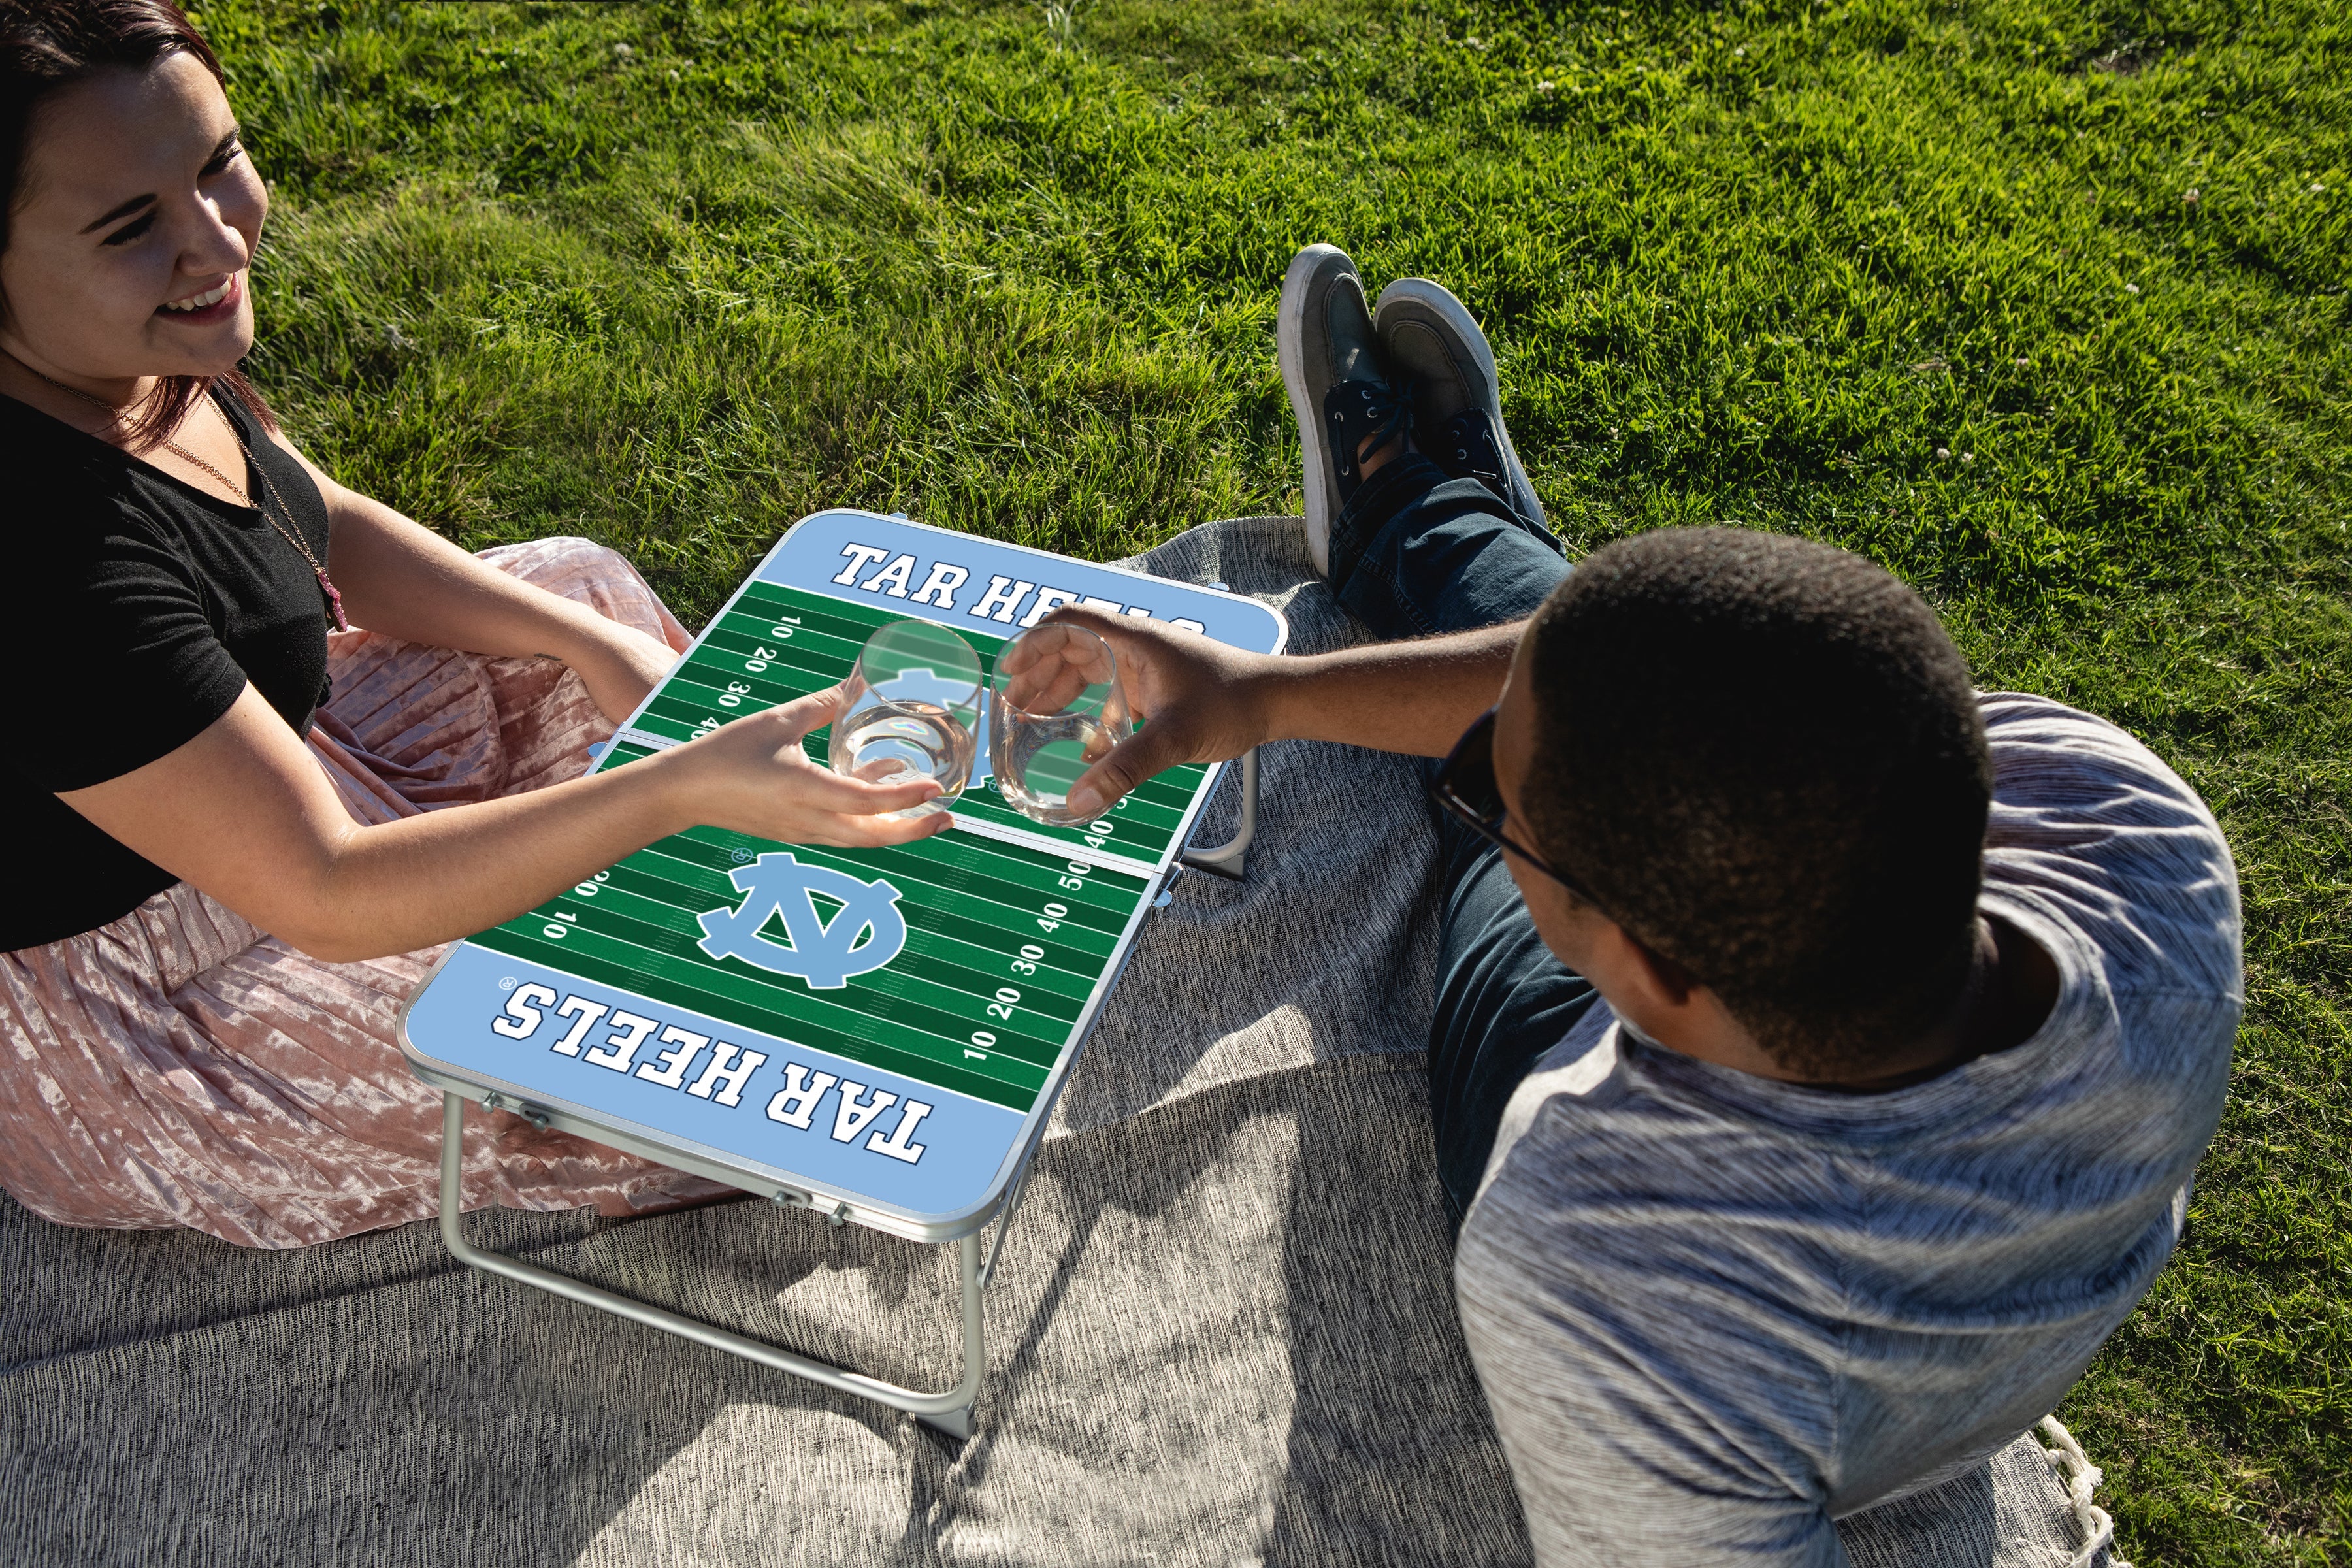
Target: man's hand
x=1209, y=703
x=1203, y=700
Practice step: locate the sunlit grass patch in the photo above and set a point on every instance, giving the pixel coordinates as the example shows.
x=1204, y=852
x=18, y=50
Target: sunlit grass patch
x=2044, y=306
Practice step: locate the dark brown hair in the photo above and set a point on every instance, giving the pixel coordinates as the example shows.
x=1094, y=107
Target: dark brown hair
x=48, y=46
x=1764, y=757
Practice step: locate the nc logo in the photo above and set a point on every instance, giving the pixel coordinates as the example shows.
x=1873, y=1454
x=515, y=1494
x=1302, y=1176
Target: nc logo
x=825, y=955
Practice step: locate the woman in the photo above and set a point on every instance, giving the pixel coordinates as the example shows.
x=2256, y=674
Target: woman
x=240, y=835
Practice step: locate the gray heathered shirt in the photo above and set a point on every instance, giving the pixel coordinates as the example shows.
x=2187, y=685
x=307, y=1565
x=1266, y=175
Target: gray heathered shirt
x=1715, y=1312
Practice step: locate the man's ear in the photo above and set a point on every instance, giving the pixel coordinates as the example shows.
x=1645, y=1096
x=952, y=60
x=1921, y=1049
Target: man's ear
x=1674, y=983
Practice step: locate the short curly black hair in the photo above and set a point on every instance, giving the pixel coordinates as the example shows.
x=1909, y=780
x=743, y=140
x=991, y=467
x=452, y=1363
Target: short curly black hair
x=1764, y=757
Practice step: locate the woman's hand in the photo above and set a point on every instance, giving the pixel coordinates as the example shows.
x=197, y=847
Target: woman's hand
x=619, y=665
x=752, y=776
x=244, y=811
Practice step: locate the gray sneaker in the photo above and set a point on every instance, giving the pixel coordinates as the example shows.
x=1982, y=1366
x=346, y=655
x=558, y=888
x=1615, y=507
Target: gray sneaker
x=1338, y=380
x=1437, y=347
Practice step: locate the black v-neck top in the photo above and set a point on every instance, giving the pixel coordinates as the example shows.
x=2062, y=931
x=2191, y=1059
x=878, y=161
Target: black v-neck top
x=139, y=608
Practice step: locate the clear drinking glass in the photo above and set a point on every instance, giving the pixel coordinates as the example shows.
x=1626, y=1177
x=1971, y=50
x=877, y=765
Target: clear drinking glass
x=913, y=712
x=1057, y=709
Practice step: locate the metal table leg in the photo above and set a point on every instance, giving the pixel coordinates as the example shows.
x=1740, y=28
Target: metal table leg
x=951, y=1411
x=1229, y=859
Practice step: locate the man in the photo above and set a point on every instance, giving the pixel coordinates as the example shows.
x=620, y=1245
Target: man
x=1821, y=1051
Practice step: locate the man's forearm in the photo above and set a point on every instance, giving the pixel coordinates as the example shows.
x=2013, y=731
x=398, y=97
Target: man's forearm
x=1411, y=696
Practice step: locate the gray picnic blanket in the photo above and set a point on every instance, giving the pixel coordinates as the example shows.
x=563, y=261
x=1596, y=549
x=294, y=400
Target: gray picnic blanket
x=1223, y=1330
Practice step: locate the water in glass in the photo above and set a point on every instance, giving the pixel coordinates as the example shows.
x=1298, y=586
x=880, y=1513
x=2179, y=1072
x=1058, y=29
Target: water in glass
x=912, y=710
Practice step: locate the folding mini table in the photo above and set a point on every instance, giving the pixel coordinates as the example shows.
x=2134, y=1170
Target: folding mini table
x=877, y=1034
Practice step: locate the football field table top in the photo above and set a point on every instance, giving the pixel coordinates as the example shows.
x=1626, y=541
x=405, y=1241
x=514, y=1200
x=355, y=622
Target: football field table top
x=879, y=1033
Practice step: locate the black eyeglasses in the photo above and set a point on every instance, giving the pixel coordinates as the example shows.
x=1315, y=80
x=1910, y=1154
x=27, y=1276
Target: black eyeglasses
x=1465, y=787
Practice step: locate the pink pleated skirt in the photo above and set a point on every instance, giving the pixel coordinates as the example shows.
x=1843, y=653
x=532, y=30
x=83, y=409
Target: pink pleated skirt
x=180, y=1066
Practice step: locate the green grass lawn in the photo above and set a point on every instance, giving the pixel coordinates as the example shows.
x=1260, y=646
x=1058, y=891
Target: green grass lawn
x=2041, y=304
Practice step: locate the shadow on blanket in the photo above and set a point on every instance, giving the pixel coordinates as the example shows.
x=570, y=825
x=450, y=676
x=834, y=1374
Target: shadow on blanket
x=1223, y=1330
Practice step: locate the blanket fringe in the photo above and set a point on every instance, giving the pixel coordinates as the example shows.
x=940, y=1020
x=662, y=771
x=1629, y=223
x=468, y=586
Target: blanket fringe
x=2081, y=1478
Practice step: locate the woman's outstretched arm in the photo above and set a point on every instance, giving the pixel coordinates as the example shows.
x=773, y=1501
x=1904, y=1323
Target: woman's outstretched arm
x=244, y=813
x=400, y=578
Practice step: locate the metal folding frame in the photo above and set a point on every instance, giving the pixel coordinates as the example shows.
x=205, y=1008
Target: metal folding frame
x=949, y=1412
x=1227, y=859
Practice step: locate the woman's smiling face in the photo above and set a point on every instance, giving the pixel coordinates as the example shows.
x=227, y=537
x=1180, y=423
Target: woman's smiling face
x=137, y=214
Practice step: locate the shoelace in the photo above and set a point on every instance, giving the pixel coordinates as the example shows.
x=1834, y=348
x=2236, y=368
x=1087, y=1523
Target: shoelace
x=1387, y=409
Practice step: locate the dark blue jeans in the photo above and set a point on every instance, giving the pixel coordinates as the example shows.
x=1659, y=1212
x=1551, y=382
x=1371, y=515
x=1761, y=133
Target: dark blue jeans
x=1415, y=554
